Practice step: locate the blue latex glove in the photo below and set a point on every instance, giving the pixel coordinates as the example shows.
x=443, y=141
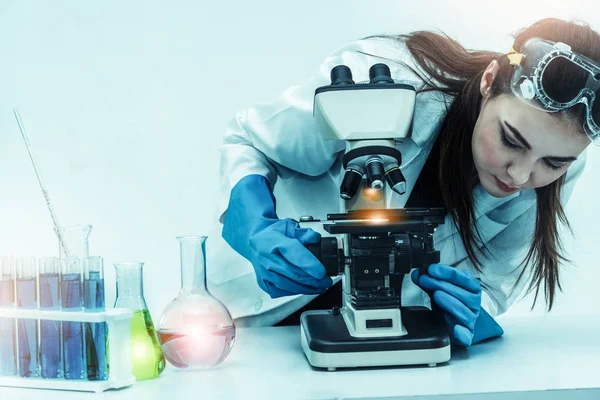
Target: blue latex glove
x=275, y=247
x=458, y=294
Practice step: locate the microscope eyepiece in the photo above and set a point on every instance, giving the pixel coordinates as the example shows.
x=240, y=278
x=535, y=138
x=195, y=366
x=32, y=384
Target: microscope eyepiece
x=375, y=173
x=380, y=73
x=351, y=182
x=341, y=75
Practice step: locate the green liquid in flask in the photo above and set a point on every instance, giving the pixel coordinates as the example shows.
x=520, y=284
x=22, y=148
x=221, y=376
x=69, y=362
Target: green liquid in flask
x=146, y=354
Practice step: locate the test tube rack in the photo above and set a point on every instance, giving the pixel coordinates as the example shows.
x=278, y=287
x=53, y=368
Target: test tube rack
x=119, y=336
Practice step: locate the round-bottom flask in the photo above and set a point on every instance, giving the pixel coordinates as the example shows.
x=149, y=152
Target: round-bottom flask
x=196, y=330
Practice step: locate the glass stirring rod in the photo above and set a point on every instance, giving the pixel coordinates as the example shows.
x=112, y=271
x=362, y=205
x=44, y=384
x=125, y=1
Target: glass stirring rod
x=42, y=186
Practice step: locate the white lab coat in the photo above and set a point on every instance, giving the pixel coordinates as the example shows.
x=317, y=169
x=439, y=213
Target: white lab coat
x=279, y=141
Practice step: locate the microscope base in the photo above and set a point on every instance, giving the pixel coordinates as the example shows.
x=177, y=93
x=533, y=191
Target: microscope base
x=327, y=343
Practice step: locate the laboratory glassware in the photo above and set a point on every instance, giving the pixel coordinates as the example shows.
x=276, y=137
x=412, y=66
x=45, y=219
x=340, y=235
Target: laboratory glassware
x=196, y=330
x=147, y=357
x=27, y=329
x=72, y=301
x=8, y=362
x=73, y=250
x=96, y=335
x=76, y=240
x=50, y=339
x=38, y=175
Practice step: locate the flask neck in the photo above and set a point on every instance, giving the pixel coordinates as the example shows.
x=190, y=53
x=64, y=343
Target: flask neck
x=73, y=241
x=130, y=286
x=193, y=264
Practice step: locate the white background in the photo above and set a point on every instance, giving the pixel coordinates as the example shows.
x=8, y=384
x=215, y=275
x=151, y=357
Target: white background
x=126, y=102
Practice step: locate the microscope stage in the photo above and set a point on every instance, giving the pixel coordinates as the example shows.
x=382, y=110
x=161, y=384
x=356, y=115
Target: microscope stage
x=327, y=343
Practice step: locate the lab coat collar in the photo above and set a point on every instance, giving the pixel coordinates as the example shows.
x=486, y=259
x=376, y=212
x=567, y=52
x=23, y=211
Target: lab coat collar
x=484, y=203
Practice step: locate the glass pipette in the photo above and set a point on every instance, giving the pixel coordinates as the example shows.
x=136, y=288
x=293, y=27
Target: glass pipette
x=42, y=186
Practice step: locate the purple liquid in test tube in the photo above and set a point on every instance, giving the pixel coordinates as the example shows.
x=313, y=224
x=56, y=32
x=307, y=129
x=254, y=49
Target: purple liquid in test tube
x=50, y=351
x=71, y=300
x=27, y=329
x=8, y=361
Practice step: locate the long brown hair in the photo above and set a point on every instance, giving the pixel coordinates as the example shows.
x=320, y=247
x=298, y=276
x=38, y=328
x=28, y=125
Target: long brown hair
x=447, y=66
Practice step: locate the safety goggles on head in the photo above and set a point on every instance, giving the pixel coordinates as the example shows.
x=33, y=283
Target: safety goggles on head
x=537, y=81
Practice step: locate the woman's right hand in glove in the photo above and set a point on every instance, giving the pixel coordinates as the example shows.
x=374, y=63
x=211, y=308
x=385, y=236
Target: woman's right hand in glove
x=275, y=247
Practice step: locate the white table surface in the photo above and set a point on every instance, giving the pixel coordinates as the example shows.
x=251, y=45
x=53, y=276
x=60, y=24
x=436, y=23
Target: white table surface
x=539, y=357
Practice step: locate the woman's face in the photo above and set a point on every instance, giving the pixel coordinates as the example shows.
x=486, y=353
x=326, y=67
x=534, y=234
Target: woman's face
x=516, y=146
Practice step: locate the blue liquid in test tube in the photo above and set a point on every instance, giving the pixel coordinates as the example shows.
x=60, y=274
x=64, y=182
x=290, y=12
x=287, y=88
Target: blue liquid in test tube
x=71, y=300
x=27, y=329
x=50, y=352
x=96, y=333
x=8, y=361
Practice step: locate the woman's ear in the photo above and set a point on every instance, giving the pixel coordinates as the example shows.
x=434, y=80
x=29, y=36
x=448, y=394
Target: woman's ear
x=485, y=87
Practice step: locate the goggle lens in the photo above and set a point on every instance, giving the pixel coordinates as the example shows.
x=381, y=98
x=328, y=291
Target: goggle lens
x=563, y=81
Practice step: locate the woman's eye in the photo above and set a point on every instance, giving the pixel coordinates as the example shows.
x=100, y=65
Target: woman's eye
x=553, y=166
x=505, y=140
x=508, y=143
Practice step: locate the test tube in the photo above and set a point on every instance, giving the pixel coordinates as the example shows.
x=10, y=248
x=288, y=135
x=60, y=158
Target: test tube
x=71, y=300
x=8, y=361
x=96, y=334
x=27, y=329
x=50, y=354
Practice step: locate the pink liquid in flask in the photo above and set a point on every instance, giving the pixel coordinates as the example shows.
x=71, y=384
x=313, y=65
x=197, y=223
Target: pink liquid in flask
x=196, y=330
x=203, y=348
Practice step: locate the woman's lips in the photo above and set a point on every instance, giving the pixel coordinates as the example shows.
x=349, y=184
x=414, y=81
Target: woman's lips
x=503, y=187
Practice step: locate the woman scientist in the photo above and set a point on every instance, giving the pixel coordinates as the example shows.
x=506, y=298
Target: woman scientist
x=497, y=139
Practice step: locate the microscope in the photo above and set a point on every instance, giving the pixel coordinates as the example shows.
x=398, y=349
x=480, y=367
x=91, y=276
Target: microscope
x=371, y=246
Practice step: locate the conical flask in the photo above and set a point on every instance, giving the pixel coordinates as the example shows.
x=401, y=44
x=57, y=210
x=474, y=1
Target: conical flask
x=146, y=355
x=196, y=330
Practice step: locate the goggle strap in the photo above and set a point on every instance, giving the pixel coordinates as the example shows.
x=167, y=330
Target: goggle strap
x=514, y=57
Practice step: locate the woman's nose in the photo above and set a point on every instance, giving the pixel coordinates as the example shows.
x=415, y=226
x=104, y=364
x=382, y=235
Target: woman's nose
x=520, y=172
